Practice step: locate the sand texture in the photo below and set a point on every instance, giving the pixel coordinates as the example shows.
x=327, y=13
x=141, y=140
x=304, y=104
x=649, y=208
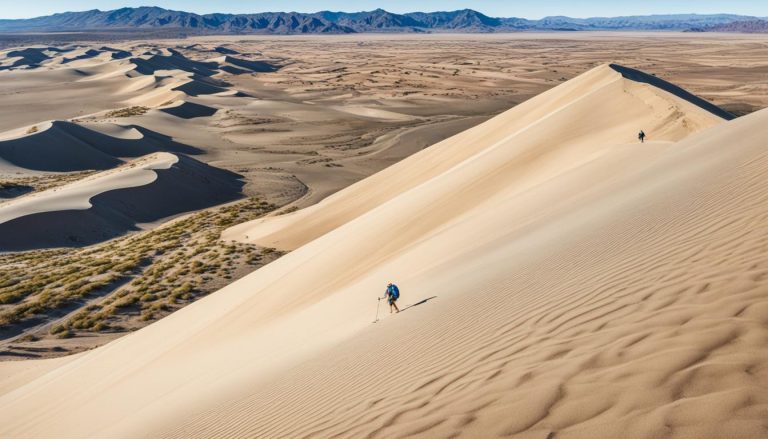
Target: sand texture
x=558, y=279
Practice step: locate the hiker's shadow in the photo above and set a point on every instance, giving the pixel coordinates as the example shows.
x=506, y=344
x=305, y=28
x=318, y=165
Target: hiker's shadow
x=418, y=303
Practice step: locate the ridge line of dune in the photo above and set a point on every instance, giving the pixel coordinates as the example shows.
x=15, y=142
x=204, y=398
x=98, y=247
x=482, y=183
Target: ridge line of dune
x=39, y=202
x=263, y=229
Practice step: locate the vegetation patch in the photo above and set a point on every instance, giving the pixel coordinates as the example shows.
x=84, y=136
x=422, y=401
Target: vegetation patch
x=127, y=112
x=130, y=281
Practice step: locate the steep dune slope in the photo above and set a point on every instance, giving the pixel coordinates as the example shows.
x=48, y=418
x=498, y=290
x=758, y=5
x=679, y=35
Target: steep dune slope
x=564, y=279
x=562, y=128
x=638, y=310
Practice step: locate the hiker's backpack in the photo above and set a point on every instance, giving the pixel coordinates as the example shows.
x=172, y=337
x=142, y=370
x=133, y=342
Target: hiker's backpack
x=394, y=292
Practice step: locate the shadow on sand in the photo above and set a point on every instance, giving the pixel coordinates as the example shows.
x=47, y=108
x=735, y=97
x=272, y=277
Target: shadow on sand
x=637, y=75
x=418, y=303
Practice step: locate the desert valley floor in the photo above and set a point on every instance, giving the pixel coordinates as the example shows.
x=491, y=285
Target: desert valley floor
x=194, y=234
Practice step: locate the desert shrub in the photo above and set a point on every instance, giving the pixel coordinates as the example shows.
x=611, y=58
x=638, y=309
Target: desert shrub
x=186, y=287
x=100, y=326
x=148, y=298
x=127, y=112
x=127, y=266
x=126, y=302
x=289, y=210
x=146, y=316
x=9, y=282
x=160, y=306
x=90, y=287
x=29, y=338
x=57, y=329
x=11, y=297
x=65, y=334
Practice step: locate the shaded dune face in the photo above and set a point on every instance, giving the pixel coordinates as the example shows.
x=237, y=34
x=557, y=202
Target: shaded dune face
x=557, y=279
x=250, y=66
x=177, y=61
x=638, y=76
x=190, y=110
x=33, y=57
x=28, y=58
x=67, y=147
x=186, y=186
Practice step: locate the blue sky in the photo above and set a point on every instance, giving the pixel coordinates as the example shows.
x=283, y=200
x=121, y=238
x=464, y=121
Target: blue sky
x=497, y=8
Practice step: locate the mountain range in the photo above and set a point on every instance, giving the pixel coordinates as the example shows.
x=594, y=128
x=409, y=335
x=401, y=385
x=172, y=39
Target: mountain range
x=379, y=20
x=742, y=26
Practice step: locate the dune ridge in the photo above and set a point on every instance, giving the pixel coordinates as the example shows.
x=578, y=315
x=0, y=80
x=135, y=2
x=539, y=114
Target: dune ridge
x=113, y=202
x=152, y=78
x=574, y=132
x=559, y=278
x=65, y=146
x=189, y=110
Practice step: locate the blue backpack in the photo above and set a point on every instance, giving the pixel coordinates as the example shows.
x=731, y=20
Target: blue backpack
x=394, y=292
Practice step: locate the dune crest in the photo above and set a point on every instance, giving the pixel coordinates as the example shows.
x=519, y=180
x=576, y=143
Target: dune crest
x=63, y=146
x=561, y=129
x=113, y=202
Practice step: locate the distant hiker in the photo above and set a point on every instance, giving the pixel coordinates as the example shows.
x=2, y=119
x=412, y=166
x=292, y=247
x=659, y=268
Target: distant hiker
x=641, y=136
x=392, y=294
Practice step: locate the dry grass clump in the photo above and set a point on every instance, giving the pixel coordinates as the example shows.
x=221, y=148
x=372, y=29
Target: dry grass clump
x=127, y=112
x=9, y=185
x=132, y=280
x=43, y=182
x=289, y=210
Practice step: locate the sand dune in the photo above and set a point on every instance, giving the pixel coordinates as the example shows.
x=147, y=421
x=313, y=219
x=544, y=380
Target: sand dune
x=85, y=54
x=189, y=110
x=49, y=57
x=225, y=50
x=112, y=76
x=64, y=146
x=199, y=86
x=153, y=62
x=236, y=66
x=563, y=280
x=636, y=75
x=170, y=59
x=563, y=128
x=55, y=149
x=27, y=58
x=113, y=202
x=116, y=53
x=373, y=113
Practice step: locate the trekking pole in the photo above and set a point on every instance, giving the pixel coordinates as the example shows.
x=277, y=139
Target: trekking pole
x=377, y=309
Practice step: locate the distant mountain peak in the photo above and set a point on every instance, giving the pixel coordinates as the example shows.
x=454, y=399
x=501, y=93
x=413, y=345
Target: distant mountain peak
x=377, y=20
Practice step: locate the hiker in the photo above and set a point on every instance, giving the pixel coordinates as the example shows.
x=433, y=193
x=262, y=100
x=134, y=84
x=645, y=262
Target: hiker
x=392, y=294
x=641, y=136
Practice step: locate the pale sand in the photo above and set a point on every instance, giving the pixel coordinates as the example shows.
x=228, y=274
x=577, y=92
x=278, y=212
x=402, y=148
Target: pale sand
x=530, y=127
x=578, y=283
x=77, y=195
